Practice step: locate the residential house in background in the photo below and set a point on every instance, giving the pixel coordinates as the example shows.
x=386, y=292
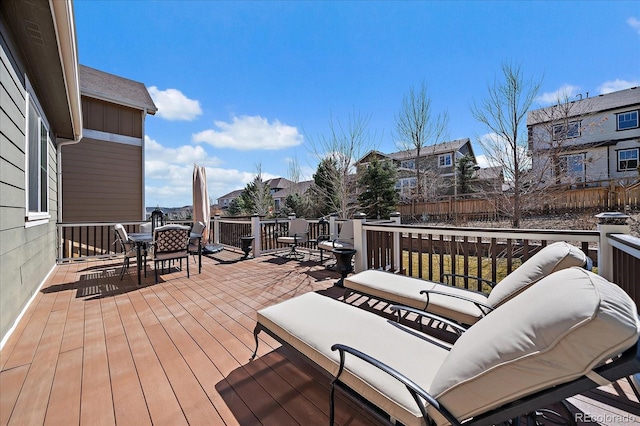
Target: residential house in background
x=225, y=201
x=103, y=174
x=437, y=161
x=590, y=141
x=40, y=113
x=275, y=185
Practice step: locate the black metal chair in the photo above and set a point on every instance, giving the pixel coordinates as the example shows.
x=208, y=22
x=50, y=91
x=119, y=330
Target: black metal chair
x=170, y=242
x=195, y=242
x=128, y=249
x=157, y=219
x=298, y=233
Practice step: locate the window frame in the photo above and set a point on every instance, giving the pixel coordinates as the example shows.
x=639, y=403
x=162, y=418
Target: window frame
x=571, y=174
x=40, y=213
x=622, y=114
x=569, y=130
x=636, y=159
x=445, y=163
x=408, y=164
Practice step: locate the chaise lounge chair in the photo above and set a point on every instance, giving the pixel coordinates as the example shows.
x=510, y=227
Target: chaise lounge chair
x=461, y=305
x=533, y=350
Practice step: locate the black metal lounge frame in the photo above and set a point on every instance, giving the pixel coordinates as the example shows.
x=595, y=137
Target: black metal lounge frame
x=625, y=365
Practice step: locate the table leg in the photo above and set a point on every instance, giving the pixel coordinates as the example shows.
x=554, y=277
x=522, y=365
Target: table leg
x=139, y=261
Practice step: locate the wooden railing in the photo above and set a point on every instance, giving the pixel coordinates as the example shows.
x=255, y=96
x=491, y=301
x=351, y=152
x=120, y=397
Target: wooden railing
x=431, y=252
x=626, y=264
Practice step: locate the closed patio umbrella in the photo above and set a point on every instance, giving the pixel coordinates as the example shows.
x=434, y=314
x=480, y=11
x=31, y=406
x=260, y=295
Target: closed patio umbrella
x=201, y=206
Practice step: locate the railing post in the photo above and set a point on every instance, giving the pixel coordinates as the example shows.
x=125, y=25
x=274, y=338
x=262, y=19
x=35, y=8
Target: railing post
x=396, y=218
x=333, y=232
x=216, y=229
x=360, y=242
x=255, y=232
x=609, y=223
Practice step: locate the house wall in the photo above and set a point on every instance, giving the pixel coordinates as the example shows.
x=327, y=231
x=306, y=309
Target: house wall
x=101, y=181
x=102, y=176
x=601, y=161
x=27, y=253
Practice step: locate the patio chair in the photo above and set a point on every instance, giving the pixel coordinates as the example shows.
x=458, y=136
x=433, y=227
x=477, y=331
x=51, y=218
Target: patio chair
x=170, y=242
x=571, y=332
x=458, y=304
x=127, y=248
x=298, y=233
x=195, y=242
x=344, y=240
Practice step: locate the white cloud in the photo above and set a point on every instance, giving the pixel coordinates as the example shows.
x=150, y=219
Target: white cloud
x=169, y=174
x=174, y=106
x=567, y=91
x=250, y=132
x=615, y=85
x=634, y=23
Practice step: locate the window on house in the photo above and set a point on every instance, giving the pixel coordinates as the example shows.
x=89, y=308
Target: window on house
x=572, y=166
x=566, y=131
x=628, y=159
x=37, y=164
x=408, y=164
x=444, y=160
x=627, y=120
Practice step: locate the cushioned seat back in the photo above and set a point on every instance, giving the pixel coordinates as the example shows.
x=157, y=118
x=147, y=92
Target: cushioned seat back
x=556, y=331
x=299, y=227
x=346, y=232
x=550, y=259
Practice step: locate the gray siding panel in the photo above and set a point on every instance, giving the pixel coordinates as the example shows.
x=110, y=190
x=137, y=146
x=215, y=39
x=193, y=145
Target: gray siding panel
x=27, y=255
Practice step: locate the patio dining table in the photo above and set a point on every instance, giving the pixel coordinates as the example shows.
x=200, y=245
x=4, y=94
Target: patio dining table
x=141, y=239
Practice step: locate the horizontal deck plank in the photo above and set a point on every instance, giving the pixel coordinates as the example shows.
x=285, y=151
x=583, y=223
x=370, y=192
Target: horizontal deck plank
x=94, y=349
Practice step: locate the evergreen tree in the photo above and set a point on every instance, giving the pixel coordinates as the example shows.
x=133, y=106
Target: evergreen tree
x=256, y=198
x=465, y=169
x=235, y=207
x=378, y=197
x=324, y=192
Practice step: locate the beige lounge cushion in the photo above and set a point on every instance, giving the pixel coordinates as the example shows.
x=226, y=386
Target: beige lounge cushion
x=405, y=291
x=558, y=330
x=330, y=245
x=552, y=258
x=312, y=323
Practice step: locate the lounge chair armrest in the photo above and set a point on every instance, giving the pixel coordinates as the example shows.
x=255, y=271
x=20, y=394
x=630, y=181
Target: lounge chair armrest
x=414, y=389
x=399, y=308
x=472, y=277
x=482, y=306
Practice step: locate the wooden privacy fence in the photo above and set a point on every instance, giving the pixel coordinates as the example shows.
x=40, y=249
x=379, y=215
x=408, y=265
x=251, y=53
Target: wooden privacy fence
x=462, y=208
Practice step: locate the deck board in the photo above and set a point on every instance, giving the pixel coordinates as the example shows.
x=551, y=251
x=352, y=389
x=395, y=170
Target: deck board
x=94, y=349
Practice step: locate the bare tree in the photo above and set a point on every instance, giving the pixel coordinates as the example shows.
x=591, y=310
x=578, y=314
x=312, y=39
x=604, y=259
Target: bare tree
x=417, y=130
x=344, y=144
x=503, y=112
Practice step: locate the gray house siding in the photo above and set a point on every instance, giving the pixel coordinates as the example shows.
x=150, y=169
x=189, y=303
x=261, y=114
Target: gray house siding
x=596, y=139
x=27, y=254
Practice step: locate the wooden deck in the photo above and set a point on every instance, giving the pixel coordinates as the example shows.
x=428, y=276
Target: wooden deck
x=94, y=350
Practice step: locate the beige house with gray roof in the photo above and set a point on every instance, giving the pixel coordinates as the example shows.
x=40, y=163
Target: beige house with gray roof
x=588, y=141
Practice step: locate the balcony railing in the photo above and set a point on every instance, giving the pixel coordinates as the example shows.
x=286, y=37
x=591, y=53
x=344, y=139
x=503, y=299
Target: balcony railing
x=427, y=252
x=430, y=252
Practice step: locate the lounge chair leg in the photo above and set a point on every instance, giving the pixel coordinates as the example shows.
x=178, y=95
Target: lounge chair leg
x=256, y=330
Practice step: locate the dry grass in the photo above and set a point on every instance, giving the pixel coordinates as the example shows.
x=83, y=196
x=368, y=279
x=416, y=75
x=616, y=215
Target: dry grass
x=447, y=263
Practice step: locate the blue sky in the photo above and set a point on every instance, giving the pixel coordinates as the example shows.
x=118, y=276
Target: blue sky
x=241, y=85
